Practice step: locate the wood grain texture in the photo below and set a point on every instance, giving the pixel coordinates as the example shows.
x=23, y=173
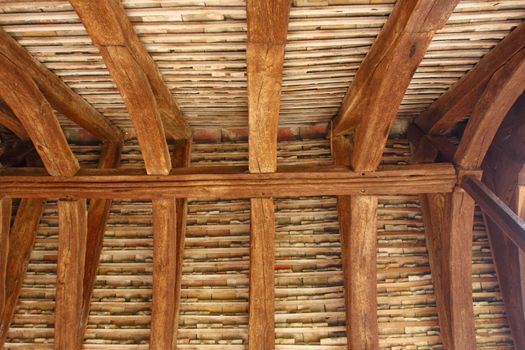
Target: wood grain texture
x=25, y=99
x=5, y=223
x=501, y=169
x=98, y=215
x=21, y=241
x=461, y=98
x=226, y=182
x=11, y=122
x=72, y=234
x=261, y=313
x=371, y=103
x=267, y=32
x=163, y=313
x=502, y=90
x=59, y=95
x=500, y=213
x=140, y=101
x=448, y=219
x=109, y=26
x=357, y=224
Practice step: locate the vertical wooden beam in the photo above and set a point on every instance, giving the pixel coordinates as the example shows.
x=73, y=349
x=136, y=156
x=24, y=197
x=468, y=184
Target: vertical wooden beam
x=25, y=99
x=72, y=225
x=261, y=330
x=520, y=193
x=98, y=215
x=21, y=240
x=163, y=314
x=449, y=219
x=357, y=216
x=267, y=32
x=5, y=223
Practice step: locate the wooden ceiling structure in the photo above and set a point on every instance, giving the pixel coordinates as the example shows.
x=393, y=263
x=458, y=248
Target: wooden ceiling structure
x=447, y=177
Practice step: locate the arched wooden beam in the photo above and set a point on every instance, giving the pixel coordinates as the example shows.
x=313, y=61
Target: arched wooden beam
x=22, y=95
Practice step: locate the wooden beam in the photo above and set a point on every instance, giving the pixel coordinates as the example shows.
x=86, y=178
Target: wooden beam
x=21, y=241
x=109, y=26
x=59, y=95
x=500, y=213
x=357, y=217
x=11, y=122
x=25, y=99
x=429, y=148
x=461, y=98
x=502, y=166
x=261, y=326
x=448, y=219
x=502, y=90
x=5, y=224
x=98, y=215
x=72, y=234
x=211, y=183
x=164, y=274
x=371, y=103
x=267, y=32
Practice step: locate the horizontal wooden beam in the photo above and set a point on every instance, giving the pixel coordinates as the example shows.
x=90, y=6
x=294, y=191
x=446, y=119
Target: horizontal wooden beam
x=59, y=95
x=503, y=216
x=228, y=182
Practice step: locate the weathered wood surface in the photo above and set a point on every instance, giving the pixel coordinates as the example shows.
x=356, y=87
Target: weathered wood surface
x=501, y=169
x=59, y=95
x=11, y=122
x=110, y=28
x=413, y=179
x=98, y=215
x=461, y=98
x=374, y=97
x=25, y=99
x=261, y=313
x=267, y=31
x=502, y=90
x=448, y=225
x=500, y=213
x=72, y=234
x=21, y=240
x=163, y=313
x=5, y=224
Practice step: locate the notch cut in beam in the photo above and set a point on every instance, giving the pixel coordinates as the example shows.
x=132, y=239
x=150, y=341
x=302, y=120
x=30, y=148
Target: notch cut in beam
x=504, y=217
x=59, y=95
x=72, y=234
x=25, y=99
x=461, y=98
x=210, y=183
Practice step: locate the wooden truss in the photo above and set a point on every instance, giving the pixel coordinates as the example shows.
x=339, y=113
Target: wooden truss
x=359, y=132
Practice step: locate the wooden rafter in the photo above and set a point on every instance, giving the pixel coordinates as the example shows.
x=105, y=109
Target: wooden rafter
x=461, y=98
x=59, y=95
x=72, y=235
x=11, y=122
x=23, y=96
x=501, y=169
x=267, y=32
x=98, y=215
x=21, y=240
x=371, y=103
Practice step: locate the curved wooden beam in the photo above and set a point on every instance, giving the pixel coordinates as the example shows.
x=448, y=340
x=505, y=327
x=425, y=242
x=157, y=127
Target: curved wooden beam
x=25, y=99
